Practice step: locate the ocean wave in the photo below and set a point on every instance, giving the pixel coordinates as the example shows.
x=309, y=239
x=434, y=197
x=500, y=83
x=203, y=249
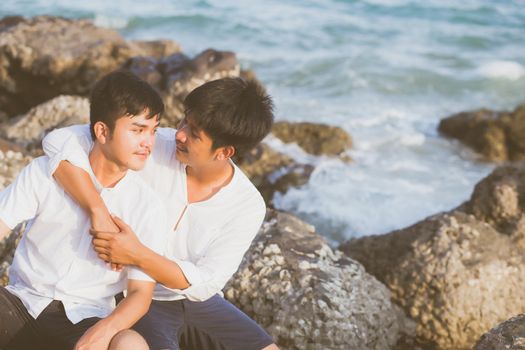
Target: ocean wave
x=502, y=70
x=110, y=22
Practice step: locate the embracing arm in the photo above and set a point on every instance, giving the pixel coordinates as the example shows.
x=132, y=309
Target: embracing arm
x=68, y=150
x=125, y=315
x=125, y=248
x=80, y=187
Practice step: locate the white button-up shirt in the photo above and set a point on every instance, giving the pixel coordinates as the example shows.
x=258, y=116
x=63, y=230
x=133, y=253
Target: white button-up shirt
x=55, y=259
x=211, y=236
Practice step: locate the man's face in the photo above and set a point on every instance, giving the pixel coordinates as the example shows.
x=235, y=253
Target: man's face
x=132, y=141
x=194, y=146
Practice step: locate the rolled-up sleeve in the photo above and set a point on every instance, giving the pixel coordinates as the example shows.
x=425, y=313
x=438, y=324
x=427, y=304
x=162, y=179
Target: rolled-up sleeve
x=20, y=200
x=72, y=143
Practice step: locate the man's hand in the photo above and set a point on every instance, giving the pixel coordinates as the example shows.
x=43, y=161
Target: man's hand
x=101, y=220
x=97, y=337
x=117, y=248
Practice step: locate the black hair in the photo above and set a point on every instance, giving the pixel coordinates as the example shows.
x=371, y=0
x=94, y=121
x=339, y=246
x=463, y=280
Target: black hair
x=121, y=93
x=232, y=111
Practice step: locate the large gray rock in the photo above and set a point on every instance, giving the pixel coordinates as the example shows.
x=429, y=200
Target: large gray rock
x=29, y=129
x=498, y=136
x=456, y=274
x=43, y=57
x=509, y=335
x=317, y=139
x=308, y=296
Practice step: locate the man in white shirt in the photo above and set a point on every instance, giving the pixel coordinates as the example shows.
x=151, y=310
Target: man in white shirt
x=60, y=294
x=214, y=211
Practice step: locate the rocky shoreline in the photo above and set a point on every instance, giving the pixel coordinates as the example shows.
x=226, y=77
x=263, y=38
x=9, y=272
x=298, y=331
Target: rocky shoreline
x=438, y=284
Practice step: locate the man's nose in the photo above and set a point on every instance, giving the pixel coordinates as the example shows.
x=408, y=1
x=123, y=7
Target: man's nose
x=149, y=140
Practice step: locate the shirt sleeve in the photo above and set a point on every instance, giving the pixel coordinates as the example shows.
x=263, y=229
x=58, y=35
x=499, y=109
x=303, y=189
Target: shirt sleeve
x=20, y=200
x=222, y=259
x=153, y=233
x=72, y=143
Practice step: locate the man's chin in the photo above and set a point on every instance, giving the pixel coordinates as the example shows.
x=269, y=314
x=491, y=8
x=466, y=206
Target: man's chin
x=136, y=166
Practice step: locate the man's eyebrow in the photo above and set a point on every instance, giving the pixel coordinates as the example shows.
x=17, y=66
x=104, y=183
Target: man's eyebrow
x=143, y=125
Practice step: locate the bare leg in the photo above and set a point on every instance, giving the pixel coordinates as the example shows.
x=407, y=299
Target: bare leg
x=271, y=347
x=128, y=339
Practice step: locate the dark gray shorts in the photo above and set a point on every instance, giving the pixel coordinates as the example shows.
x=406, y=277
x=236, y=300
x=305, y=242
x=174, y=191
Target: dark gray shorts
x=51, y=330
x=211, y=324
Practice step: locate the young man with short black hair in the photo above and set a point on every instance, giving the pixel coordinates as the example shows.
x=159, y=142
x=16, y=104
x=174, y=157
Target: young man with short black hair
x=60, y=294
x=215, y=213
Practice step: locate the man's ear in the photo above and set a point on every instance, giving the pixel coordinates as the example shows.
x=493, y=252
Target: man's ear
x=225, y=152
x=101, y=132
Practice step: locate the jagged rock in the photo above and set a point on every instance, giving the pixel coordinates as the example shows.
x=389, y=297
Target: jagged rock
x=29, y=129
x=509, y=335
x=175, y=76
x=67, y=59
x=271, y=171
x=459, y=273
x=6, y=145
x=308, y=296
x=11, y=162
x=317, y=139
x=498, y=136
x=157, y=48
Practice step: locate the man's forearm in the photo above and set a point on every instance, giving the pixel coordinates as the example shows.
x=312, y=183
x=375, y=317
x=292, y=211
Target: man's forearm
x=128, y=311
x=80, y=187
x=161, y=269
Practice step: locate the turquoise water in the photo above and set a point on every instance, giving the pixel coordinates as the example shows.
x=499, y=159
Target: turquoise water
x=386, y=71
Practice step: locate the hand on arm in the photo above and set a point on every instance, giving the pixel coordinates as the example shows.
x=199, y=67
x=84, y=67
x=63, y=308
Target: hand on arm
x=125, y=315
x=125, y=248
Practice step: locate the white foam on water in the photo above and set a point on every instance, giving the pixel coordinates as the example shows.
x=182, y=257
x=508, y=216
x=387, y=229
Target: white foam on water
x=502, y=70
x=110, y=22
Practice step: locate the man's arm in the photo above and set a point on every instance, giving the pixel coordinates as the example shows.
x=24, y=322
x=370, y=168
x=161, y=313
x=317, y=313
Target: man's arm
x=125, y=315
x=126, y=249
x=199, y=280
x=80, y=187
x=4, y=230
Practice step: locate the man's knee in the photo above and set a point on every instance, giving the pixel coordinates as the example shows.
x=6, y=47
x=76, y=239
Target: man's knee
x=128, y=339
x=271, y=347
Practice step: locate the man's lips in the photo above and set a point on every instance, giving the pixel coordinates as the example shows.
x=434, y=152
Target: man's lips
x=143, y=154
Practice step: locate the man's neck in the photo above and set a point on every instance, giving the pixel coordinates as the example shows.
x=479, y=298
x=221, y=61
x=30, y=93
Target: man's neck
x=204, y=182
x=106, y=171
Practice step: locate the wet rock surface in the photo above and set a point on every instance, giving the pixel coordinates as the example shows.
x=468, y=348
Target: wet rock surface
x=456, y=274
x=509, y=335
x=317, y=139
x=272, y=171
x=308, y=296
x=497, y=135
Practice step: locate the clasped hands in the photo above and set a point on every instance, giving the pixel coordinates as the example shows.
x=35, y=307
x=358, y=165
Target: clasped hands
x=117, y=248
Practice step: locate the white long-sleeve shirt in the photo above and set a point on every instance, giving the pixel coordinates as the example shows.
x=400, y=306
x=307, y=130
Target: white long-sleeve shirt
x=55, y=259
x=212, y=236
